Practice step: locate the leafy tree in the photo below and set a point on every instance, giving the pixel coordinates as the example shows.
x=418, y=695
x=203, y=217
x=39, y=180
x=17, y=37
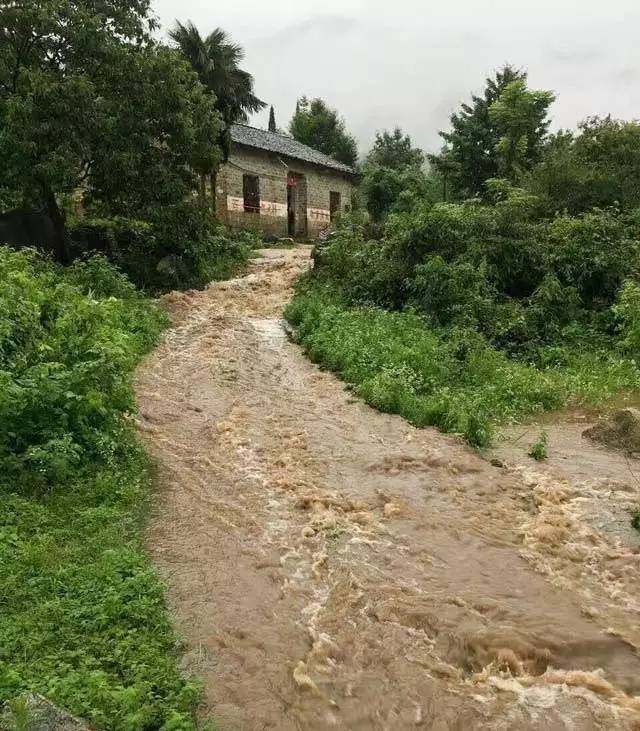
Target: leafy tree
x=469, y=157
x=596, y=168
x=610, y=149
x=394, y=150
x=386, y=189
x=171, y=106
x=88, y=99
x=320, y=127
x=272, y=120
x=561, y=180
x=46, y=52
x=520, y=117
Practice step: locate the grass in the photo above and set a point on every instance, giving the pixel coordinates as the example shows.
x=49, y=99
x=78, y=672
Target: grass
x=83, y=619
x=449, y=379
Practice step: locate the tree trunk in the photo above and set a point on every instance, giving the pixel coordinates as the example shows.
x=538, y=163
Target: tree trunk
x=202, y=191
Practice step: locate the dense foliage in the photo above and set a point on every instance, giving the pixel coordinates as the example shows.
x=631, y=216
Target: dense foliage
x=317, y=125
x=87, y=98
x=83, y=617
x=94, y=112
x=498, y=314
x=598, y=166
x=394, y=150
x=181, y=247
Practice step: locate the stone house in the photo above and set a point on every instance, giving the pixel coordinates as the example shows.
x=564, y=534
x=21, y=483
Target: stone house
x=279, y=186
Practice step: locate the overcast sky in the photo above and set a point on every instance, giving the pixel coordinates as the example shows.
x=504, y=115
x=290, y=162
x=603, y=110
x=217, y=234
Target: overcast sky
x=411, y=62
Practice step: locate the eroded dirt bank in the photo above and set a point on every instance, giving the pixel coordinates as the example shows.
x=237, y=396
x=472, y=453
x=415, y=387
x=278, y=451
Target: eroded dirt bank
x=332, y=567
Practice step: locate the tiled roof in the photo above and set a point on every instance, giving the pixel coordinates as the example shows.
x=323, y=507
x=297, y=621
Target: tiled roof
x=242, y=134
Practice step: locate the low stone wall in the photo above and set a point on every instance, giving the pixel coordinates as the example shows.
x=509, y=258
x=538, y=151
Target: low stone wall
x=36, y=713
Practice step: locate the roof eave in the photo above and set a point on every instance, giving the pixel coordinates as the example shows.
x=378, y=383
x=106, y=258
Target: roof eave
x=347, y=171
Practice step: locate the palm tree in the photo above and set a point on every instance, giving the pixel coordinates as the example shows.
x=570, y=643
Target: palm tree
x=216, y=59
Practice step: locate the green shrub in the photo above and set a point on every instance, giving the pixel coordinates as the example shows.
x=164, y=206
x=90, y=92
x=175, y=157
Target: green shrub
x=515, y=310
x=627, y=312
x=83, y=617
x=450, y=293
x=130, y=244
x=385, y=189
x=593, y=253
x=551, y=308
x=427, y=230
x=361, y=268
x=94, y=275
x=519, y=280
x=182, y=247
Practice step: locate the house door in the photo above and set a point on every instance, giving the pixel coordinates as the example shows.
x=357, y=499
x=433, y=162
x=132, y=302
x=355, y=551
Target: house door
x=297, y=205
x=291, y=209
x=334, y=204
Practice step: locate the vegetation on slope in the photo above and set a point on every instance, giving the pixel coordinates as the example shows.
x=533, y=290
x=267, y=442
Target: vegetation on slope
x=449, y=378
x=495, y=302
x=83, y=617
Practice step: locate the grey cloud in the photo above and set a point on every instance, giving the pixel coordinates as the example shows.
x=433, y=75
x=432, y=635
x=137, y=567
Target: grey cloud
x=411, y=63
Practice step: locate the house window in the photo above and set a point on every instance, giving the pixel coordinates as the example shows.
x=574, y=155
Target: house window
x=334, y=204
x=251, y=193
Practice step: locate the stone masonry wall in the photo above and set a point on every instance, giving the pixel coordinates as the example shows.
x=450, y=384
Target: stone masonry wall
x=273, y=171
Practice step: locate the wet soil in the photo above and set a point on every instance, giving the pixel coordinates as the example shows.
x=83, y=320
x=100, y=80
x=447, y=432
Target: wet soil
x=329, y=566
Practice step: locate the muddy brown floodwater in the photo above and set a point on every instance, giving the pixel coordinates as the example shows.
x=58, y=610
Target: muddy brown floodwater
x=329, y=566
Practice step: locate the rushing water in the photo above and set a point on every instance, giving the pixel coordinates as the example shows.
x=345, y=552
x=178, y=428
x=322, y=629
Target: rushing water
x=332, y=567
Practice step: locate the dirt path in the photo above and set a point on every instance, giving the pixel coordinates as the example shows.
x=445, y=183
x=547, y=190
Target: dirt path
x=332, y=567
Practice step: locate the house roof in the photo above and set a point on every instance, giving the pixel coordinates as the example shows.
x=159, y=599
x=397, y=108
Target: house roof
x=242, y=134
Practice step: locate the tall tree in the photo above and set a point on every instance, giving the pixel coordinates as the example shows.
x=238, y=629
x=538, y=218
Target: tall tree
x=519, y=115
x=392, y=174
x=317, y=125
x=272, y=120
x=216, y=59
x=394, y=150
x=86, y=97
x=469, y=157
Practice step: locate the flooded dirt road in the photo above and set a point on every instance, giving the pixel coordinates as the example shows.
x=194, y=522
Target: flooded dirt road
x=331, y=567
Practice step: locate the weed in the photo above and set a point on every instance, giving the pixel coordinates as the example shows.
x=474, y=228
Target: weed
x=19, y=714
x=540, y=450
